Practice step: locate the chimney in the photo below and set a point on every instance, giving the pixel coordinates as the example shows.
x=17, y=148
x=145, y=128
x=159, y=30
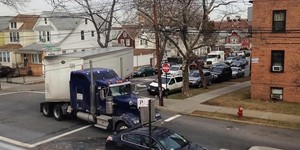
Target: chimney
x=228, y=18
x=238, y=18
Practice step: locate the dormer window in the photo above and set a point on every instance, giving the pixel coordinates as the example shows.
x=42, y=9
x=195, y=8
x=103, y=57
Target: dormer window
x=46, y=20
x=13, y=25
x=86, y=21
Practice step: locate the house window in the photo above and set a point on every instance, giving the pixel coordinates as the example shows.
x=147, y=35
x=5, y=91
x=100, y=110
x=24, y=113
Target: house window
x=93, y=33
x=122, y=41
x=46, y=20
x=277, y=61
x=4, y=57
x=86, y=21
x=276, y=93
x=36, y=58
x=13, y=25
x=14, y=37
x=143, y=42
x=44, y=36
x=279, y=19
x=82, y=35
x=127, y=42
x=124, y=34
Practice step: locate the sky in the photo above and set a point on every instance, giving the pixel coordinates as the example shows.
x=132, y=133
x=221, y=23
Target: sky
x=37, y=6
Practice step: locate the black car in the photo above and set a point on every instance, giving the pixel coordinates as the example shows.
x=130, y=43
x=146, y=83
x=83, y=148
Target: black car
x=221, y=73
x=239, y=63
x=5, y=71
x=144, y=71
x=138, y=139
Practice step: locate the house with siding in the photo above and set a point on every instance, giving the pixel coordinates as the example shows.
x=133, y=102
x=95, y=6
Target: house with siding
x=275, y=70
x=18, y=34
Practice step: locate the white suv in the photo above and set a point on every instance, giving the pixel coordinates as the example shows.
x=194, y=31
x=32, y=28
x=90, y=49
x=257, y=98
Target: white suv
x=169, y=84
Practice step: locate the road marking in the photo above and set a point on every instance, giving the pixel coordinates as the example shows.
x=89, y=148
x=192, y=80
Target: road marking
x=172, y=118
x=10, y=93
x=41, y=142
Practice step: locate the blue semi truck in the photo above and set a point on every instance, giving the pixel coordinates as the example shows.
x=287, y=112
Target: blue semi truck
x=103, y=99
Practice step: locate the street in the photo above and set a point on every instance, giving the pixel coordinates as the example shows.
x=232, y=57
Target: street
x=22, y=125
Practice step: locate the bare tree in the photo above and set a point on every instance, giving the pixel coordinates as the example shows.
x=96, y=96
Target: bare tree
x=100, y=12
x=186, y=25
x=14, y=3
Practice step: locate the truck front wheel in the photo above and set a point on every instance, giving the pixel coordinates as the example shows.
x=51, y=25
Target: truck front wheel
x=47, y=110
x=57, y=112
x=121, y=126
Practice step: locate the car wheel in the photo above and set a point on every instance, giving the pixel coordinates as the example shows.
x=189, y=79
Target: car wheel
x=153, y=73
x=209, y=83
x=121, y=126
x=46, y=109
x=144, y=75
x=199, y=84
x=57, y=112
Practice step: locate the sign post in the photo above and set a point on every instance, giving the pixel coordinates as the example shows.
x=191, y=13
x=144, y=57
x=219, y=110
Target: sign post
x=166, y=69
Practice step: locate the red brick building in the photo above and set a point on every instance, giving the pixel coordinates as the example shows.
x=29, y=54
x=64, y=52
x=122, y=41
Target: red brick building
x=275, y=67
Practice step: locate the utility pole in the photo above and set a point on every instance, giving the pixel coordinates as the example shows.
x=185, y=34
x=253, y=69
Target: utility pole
x=158, y=60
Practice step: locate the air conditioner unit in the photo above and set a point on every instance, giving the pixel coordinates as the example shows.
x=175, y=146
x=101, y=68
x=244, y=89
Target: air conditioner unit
x=276, y=96
x=43, y=40
x=276, y=68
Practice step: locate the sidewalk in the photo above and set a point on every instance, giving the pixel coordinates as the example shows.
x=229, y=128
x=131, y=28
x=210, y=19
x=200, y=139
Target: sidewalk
x=20, y=83
x=191, y=104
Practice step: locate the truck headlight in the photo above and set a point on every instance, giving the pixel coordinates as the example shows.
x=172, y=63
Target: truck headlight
x=135, y=121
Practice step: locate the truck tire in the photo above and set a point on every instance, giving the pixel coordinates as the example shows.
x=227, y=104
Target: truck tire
x=47, y=110
x=121, y=126
x=57, y=112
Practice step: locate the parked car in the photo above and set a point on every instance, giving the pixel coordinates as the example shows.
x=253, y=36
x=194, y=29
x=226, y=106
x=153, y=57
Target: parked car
x=5, y=71
x=175, y=70
x=161, y=139
x=237, y=72
x=230, y=59
x=221, y=73
x=144, y=71
x=169, y=84
x=195, y=79
x=239, y=63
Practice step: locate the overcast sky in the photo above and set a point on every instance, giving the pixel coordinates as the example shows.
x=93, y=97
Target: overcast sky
x=37, y=6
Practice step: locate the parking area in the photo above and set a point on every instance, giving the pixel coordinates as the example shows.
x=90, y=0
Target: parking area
x=22, y=124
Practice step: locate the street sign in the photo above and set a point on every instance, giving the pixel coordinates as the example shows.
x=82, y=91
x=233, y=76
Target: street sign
x=166, y=67
x=143, y=102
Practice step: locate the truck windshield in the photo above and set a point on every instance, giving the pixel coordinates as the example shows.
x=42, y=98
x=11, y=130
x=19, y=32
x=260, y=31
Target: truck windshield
x=120, y=90
x=163, y=80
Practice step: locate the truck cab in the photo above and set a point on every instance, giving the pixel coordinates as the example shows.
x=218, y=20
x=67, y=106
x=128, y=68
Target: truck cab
x=213, y=58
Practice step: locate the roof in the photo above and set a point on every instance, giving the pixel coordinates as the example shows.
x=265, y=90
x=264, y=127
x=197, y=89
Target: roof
x=11, y=46
x=4, y=22
x=44, y=28
x=63, y=20
x=132, y=30
x=92, y=53
x=33, y=49
x=28, y=21
x=138, y=52
x=228, y=25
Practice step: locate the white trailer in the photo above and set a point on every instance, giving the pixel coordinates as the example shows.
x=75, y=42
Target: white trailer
x=58, y=68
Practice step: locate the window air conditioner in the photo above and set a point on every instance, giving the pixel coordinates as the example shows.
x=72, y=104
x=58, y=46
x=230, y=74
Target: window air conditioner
x=276, y=68
x=43, y=40
x=276, y=96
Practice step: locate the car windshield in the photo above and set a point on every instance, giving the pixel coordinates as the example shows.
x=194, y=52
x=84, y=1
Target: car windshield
x=120, y=90
x=212, y=56
x=195, y=74
x=141, y=69
x=216, y=69
x=230, y=58
x=175, y=68
x=172, y=141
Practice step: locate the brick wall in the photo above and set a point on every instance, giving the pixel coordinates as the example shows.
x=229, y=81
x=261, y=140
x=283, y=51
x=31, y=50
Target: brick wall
x=262, y=79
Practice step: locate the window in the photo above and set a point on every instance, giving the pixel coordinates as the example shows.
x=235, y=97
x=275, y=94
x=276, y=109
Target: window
x=13, y=25
x=143, y=42
x=277, y=61
x=178, y=79
x=44, y=36
x=14, y=36
x=127, y=42
x=279, y=19
x=46, y=20
x=122, y=41
x=36, y=58
x=82, y=35
x=86, y=21
x=124, y=34
x=276, y=93
x=93, y=33
x=4, y=57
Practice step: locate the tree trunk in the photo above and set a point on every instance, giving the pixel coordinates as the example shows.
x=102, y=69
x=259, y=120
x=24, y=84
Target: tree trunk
x=185, y=88
x=203, y=79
